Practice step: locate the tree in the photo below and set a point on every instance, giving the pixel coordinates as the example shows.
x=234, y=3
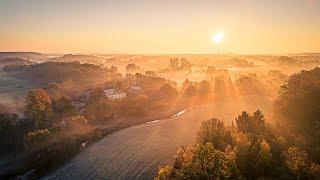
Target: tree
x=38, y=107
x=296, y=160
x=210, y=72
x=151, y=73
x=114, y=68
x=95, y=105
x=167, y=91
x=263, y=165
x=243, y=155
x=297, y=106
x=182, y=64
x=38, y=136
x=206, y=163
x=190, y=91
x=164, y=173
x=185, y=64
x=7, y=120
x=213, y=131
x=254, y=125
x=54, y=91
x=243, y=121
x=132, y=68
x=204, y=89
x=174, y=64
x=63, y=106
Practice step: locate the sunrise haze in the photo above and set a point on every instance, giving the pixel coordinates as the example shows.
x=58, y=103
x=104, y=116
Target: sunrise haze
x=152, y=27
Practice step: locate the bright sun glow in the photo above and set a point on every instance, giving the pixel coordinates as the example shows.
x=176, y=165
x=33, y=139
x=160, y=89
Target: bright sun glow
x=218, y=37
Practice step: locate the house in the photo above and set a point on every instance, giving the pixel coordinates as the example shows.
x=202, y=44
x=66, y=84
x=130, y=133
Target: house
x=135, y=89
x=114, y=94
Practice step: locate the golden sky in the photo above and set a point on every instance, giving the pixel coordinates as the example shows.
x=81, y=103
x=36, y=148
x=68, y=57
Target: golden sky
x=158, y=27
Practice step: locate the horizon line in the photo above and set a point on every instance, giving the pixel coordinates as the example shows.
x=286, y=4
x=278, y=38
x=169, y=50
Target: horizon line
x=159, y=54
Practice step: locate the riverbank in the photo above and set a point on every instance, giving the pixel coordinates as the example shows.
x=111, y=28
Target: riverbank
x=40, y=161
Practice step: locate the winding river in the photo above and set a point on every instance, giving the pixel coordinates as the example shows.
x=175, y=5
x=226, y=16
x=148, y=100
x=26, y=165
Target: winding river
x=138, y=151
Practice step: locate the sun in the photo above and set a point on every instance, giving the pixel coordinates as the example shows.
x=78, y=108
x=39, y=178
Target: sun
x=218, y=37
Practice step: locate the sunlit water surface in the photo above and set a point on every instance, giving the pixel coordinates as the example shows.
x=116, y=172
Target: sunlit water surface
x=138, y=151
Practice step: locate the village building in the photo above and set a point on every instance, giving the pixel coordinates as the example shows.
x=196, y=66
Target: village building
x=114, y=94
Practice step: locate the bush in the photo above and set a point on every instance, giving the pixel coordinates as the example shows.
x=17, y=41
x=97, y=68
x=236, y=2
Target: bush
x=38, y=136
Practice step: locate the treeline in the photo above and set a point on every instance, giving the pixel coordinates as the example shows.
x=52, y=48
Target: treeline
x=252, y=148
x=56, y=125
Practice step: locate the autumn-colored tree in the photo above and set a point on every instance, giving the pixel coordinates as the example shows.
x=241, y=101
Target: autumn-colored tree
x=164, y=173
x=296, y=160
x=63, y=106
x=213, y=131
x=254, y=124
x=206, y=163
x=38, y=136
x=38, y=107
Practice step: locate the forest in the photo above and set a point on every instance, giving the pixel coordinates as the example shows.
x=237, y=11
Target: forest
x=252, y=147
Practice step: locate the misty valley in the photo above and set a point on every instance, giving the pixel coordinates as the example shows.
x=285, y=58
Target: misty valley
x=178, y=116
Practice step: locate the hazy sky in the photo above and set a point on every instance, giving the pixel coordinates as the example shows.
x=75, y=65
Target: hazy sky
x=163, y=26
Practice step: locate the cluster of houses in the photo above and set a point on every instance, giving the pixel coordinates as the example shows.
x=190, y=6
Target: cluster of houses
x=110, y=93
x=114, y=93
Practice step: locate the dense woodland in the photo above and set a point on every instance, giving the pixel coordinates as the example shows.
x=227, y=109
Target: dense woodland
x=252, y=148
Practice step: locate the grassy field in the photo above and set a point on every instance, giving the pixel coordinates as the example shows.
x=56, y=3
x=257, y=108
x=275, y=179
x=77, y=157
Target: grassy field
x=12, y=90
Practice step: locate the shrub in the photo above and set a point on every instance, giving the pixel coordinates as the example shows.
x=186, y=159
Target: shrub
x=38, y=136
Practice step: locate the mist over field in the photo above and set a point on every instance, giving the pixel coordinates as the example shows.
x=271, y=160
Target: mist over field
x=160, y=101
x=160, y=89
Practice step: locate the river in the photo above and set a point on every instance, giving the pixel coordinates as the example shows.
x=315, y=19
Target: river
x=138, y=151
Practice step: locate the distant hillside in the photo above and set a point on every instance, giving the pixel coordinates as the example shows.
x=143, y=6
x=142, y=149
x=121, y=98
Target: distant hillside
x=34, y=56
x=21, y=61
x=83, y=58
x=20, y=54
x=58, y=72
